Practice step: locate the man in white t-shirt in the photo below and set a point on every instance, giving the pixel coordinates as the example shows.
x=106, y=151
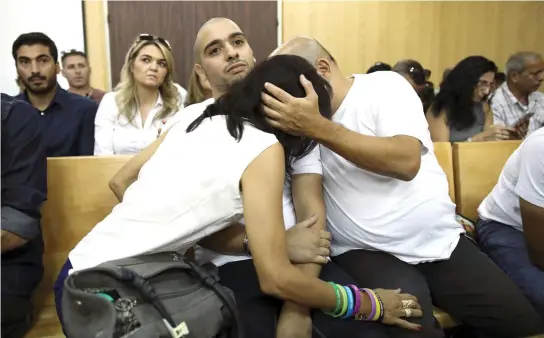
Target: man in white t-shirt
x=387, y=199
x=223, y=57
x=511, y=225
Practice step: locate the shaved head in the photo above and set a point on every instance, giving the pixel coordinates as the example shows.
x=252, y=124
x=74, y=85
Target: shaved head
x=222, y=54
x=210, y=26
x=305, y=47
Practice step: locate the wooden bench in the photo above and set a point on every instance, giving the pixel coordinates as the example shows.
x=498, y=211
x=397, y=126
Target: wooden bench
x=443, y=153
x=477, y=166
x=79, y=198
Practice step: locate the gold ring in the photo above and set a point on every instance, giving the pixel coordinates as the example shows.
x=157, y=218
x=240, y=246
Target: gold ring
x=408, y=313
x=407, y=304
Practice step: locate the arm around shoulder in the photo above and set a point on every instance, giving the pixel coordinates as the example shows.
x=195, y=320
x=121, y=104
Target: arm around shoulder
x=393, y=145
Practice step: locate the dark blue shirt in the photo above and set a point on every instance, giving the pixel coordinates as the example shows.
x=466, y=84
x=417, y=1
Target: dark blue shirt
x=24, y=188
x=68, y=124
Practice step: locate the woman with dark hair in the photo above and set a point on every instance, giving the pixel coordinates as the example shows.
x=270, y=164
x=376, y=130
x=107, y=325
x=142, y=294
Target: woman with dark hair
x=242, y=104
x=228, y=164
x=460, y=111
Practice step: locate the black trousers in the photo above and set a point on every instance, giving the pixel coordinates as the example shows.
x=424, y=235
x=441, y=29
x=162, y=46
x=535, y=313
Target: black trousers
x=259, y=312
x=469, y=286
x=17, y=316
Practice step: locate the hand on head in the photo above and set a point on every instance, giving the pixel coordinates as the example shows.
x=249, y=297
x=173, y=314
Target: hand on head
x=294, y=115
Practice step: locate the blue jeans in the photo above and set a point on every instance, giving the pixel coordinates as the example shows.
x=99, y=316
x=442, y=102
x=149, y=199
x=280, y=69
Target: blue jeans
x=57, y=289
x=506, y=247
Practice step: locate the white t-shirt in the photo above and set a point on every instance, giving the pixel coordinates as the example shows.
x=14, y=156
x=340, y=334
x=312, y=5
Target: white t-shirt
x=414, y=221
x=115, y=135
x=309, y=164
x=187, y=190
x=522, y=176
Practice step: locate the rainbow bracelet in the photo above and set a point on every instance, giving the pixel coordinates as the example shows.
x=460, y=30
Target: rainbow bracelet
x=351, y=306
x=378, y=308
x=373, y=305
x=357, y=302
x=344, y=301
x=380, y=305
x=338, y=307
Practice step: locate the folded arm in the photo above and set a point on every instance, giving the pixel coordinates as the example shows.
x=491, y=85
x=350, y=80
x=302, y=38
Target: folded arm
x=24, y=176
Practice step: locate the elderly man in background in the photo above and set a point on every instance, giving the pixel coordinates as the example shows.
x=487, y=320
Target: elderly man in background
x=517, y=102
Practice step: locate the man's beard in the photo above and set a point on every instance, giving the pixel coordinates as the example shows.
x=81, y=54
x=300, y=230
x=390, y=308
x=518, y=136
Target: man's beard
x=50, y=85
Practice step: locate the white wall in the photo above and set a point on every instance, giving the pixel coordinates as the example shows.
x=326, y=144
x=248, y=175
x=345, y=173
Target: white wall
x=61, y=20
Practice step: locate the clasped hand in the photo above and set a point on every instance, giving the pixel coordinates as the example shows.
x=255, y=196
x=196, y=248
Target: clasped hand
x=306, y=244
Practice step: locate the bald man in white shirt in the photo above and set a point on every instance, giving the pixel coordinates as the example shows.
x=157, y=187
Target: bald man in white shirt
x=387, y=200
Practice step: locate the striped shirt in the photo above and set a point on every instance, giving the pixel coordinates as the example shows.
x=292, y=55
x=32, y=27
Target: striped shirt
x=507, y=110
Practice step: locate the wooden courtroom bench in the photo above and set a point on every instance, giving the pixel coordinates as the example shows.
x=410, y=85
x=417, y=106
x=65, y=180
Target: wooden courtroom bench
x=477, y=166
x=79, y=197
x=443, y=153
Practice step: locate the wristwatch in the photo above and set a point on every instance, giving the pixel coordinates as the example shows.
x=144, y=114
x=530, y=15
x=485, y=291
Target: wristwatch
x=246, y=245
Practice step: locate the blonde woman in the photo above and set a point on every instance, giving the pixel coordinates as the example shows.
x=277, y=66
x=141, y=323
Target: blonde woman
x=198, y=90
x=129, y=118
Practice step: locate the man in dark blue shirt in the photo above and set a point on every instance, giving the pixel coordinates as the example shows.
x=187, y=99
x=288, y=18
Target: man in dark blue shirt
x=68, y=119
x=24, y=188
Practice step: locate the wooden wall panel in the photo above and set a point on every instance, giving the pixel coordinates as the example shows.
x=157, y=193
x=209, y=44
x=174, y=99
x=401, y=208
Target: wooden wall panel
x=179, y=22
x=97, y=50
x=438, y=34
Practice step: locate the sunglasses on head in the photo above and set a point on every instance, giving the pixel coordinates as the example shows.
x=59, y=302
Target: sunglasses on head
x=152, y=38
x=417, y=75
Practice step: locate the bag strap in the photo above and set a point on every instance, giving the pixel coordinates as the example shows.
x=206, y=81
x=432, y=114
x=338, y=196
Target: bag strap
x=144, y=286
x=211, y=282
x=149, y=294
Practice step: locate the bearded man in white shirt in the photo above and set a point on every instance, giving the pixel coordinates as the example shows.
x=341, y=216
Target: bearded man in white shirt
x=387, y=200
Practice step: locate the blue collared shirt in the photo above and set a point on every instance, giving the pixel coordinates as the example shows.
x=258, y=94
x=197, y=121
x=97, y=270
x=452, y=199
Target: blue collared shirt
x=68, y=124
x=24, y=188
